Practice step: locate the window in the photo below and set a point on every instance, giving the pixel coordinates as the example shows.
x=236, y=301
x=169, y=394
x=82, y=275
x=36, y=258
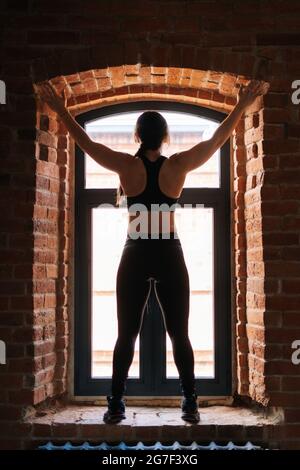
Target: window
x=203, y=224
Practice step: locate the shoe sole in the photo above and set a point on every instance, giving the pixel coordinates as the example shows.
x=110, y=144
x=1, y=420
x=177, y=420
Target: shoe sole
x=114, y=419
x=192, y=418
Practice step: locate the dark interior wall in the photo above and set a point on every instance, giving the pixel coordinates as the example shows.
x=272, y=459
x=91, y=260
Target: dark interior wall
x=105, y=49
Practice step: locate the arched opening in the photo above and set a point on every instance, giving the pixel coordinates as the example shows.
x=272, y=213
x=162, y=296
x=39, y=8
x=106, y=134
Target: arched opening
x=99, y=88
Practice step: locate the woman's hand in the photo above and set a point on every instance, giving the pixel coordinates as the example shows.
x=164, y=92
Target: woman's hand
x=248, y=94
x=56, y=102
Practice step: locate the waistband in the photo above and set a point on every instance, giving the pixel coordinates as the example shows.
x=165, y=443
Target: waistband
x=168, y=238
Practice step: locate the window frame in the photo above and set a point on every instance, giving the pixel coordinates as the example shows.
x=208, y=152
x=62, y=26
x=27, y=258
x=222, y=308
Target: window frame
x=153, y=383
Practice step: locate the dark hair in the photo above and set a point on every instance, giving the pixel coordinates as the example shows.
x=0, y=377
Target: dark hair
x=151, y=129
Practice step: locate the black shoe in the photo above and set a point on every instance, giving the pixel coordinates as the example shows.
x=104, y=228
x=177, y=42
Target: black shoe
x=115, y=411
x=189, y=407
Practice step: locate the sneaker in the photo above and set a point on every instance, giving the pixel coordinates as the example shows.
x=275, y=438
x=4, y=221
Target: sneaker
x=115, y=411
x=189, y=407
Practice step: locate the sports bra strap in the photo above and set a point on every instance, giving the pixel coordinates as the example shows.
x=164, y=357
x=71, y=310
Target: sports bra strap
x=152, y=193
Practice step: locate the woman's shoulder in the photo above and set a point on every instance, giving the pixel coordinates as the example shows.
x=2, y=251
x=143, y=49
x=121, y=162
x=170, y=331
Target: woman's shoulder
x=130, y=157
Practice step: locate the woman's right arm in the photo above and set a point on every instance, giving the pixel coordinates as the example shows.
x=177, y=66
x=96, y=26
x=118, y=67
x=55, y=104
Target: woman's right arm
x=191, y=159
x=105, y=156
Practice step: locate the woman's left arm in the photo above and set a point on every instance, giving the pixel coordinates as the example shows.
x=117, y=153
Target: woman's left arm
x=188, y=160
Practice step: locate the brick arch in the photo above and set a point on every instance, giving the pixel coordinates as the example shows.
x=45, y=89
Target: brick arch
x=193, y=69
x=97, y=87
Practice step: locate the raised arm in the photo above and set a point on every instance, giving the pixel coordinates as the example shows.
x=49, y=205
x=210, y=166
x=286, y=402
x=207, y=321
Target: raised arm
x=105, y=156
x=191, y=159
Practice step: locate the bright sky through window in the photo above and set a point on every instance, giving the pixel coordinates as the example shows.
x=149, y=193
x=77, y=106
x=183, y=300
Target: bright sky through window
x=186, y=130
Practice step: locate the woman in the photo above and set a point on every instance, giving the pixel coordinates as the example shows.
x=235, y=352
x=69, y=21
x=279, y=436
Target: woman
x=152, y=251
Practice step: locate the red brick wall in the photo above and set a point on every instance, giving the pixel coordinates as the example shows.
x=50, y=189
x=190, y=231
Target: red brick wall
x=189, y=51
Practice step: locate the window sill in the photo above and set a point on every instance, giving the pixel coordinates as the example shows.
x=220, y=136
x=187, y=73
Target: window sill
x=150, y=424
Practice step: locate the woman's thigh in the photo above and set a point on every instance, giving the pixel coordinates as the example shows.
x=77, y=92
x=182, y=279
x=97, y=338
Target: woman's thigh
x=172, y=289
x=132, y=290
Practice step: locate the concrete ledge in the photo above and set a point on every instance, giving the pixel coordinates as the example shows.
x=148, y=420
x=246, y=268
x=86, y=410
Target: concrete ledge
x=218, y=423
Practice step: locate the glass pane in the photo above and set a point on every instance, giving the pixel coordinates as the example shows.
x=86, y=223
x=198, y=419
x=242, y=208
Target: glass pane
x=186, y=130
x=109, y=227
x=195, y=230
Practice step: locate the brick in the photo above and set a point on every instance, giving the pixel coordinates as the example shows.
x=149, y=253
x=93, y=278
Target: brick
x=11, y=381
x=292, y=415
x=231, y=432
x=46, y=139
x=290, y=383
x=11, y=287
x=41, y=430
x=10, y=444
x=47, y=37
x=271, y=115
x=65, y=430
x=276, y=100
x=276, y=39
x=27, y=334
x=10, y=412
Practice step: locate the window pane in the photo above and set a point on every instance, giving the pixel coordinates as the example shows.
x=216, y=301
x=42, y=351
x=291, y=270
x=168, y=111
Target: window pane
x=195, y=230
x=186, y=130
x=108, y=236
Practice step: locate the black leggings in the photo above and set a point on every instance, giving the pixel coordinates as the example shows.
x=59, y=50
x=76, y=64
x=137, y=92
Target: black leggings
x=162, y=260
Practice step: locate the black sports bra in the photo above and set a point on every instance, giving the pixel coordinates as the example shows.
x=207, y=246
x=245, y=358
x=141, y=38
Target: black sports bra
x=152, y=193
